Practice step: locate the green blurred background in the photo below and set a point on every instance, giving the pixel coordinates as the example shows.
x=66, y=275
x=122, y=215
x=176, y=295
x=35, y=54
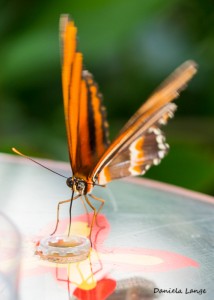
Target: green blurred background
x=130, y=47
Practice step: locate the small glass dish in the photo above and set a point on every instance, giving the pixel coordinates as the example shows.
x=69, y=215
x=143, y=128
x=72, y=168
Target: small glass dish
x=63, y=248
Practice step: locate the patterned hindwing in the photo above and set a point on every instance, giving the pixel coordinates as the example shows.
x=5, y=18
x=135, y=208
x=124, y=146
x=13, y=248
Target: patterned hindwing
x=145, y=151
x=87, y=128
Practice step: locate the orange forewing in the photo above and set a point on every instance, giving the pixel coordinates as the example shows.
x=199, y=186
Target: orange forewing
x=84, y=113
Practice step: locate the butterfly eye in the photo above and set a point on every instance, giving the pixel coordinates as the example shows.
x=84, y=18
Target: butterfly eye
x=69, y=182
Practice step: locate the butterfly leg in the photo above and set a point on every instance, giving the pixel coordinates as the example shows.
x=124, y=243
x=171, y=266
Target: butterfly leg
x=86, y=210
x=101, y=205
x=94, y=215
x=58, y=206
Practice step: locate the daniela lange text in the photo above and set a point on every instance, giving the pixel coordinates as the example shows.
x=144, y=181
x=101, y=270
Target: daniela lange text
x=179, y=291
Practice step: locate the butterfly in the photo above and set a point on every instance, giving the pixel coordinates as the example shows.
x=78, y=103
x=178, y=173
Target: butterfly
x=140, y=143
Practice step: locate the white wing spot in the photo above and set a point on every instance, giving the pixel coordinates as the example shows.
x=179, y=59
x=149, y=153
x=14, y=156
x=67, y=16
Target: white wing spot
x=147, y=167
x=156, y=161
x=161, y=154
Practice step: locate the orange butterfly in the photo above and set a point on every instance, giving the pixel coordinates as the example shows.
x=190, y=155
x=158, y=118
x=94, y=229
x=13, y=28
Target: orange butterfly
x=139, y=145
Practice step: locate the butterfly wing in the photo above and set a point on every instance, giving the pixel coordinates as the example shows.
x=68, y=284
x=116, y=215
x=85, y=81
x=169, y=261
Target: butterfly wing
x=85, y=117
x=144, y=148
x=167, y=91
x=139, y=143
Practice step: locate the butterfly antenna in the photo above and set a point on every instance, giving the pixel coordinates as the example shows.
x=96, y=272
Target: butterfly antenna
x=25, y=156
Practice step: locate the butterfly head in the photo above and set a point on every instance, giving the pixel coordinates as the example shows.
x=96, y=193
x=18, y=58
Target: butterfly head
x=76, y=184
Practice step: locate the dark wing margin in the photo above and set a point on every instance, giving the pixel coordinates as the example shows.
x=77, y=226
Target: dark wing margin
x=85, y=116
x=157, y=109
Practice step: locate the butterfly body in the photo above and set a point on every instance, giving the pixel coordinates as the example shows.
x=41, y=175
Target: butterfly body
x=80, y=185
